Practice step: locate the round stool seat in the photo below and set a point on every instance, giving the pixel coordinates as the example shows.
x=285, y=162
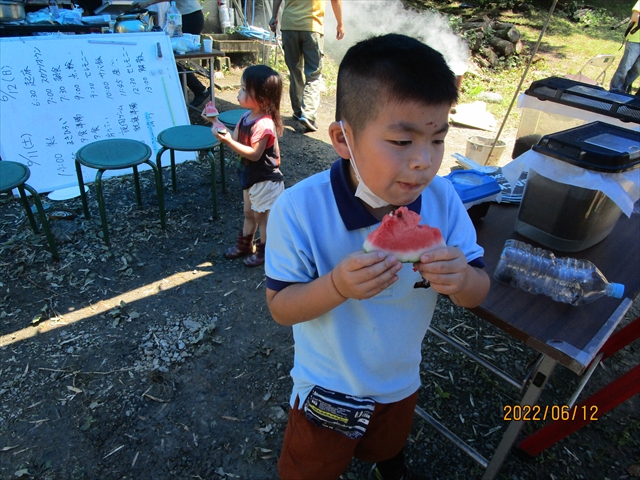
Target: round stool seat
x=187, y=138
x=230, y=118
x=12, y=175
x=113, y=154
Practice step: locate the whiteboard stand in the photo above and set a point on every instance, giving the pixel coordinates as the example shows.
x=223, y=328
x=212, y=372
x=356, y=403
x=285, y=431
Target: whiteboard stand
x=59, y=93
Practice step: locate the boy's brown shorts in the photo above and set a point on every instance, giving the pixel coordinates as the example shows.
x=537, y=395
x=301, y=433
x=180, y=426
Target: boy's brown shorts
x=317, y=453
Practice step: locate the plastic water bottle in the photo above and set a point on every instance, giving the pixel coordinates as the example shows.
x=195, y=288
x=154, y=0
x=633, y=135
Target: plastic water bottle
x=173, y=26
x=54, y=10
x=566, y=280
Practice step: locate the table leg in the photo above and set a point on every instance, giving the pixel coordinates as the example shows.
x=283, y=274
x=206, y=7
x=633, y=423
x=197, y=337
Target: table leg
x=212, y=86
x=605, y=399
x=183, y=81
x=538, y=382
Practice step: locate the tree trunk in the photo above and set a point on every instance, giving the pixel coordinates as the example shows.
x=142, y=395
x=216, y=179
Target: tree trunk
x=490, y=55
x=512, y=34
x=483, y=26
x=475, y=38
x=503, y=47
x=518, y=47
x=502, y=25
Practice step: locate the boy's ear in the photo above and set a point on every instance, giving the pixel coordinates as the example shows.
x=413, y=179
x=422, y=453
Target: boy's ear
x=338, y=140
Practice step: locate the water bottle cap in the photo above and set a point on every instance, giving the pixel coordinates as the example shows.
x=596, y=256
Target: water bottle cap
x=617, y=290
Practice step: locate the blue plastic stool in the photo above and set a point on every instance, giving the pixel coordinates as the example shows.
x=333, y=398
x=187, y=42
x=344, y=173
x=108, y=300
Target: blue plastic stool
x=230, y=118
x=192, y=138
x=116, y=154
x=14, y=175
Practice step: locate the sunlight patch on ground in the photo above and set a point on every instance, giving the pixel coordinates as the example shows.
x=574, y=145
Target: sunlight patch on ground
x=74, y=316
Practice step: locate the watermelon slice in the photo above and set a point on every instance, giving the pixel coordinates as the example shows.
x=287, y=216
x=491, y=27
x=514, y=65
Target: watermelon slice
x=210, y=110
x=401, y=235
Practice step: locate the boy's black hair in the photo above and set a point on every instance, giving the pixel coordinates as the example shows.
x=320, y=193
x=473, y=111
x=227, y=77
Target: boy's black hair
x=390, y=68
x=265, y=85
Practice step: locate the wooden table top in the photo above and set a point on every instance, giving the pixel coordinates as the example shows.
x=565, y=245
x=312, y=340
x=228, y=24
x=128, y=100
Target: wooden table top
x=570, y=335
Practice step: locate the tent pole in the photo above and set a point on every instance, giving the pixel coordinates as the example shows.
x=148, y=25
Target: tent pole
x=524, y=74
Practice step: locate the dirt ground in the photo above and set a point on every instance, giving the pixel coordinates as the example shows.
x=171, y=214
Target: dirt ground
x=157, y=358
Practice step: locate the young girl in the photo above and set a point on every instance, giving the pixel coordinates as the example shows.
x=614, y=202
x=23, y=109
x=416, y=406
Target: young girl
x=255, y=139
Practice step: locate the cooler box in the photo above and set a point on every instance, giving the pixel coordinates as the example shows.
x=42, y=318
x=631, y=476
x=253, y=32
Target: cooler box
x=476, y=190
x=556, y=104
x=570, y=218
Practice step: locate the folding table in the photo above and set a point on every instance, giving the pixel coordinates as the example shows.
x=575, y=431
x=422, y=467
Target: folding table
x=189, y=59
x=562, y=334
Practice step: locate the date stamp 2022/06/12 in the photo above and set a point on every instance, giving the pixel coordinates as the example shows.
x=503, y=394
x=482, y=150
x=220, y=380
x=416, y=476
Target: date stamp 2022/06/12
x=549, y=412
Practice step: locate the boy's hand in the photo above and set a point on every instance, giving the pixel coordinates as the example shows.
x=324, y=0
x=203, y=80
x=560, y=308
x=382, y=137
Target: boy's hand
x=363, y=275
x=445, y=268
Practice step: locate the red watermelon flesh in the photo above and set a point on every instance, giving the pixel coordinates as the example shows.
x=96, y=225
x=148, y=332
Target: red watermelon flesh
x=400, y=234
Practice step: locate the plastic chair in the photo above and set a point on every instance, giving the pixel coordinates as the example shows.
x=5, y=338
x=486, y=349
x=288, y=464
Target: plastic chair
x=192, y=138
x=596, y=65
x=14, y=175
x=116, y=154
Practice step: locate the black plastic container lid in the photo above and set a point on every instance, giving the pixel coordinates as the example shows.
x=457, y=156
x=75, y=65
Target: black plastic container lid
x=596, y=146
x=584, y=96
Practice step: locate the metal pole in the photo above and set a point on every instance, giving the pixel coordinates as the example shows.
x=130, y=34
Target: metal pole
x=526, y=70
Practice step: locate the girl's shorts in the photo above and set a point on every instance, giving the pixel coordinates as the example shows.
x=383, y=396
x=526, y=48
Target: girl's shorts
x=264, y=194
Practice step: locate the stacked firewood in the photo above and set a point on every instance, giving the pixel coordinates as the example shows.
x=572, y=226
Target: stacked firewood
x=489, y=40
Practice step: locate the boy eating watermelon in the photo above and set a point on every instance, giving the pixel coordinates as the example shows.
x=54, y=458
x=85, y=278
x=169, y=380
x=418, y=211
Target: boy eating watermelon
x=358, y=322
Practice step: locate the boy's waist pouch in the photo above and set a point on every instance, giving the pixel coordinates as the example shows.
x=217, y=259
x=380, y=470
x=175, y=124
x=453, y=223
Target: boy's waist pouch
x=343, y=413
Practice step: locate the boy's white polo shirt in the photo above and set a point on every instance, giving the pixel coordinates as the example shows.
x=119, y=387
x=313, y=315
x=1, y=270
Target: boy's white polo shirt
x=370, y=347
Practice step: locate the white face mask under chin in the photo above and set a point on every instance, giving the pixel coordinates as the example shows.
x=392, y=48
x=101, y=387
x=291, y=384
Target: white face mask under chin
x=363, y=192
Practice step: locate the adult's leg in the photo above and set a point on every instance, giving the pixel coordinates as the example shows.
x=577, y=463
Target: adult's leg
x=194, y=23
x=313, y=51
x=629, y=58
x=293, y=59
x=632, y=75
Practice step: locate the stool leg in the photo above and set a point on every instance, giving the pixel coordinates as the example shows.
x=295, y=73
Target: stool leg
x=214, y=194
x=83, y=194
x=27, y=207
x=160, y=191
x=103, y=213
x=43, y=220
x=159, y=161
x=173, y=169
x=223, y=175
x=136, y=181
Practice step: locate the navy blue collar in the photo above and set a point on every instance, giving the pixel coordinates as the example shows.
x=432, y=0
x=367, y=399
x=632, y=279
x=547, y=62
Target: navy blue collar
x=352, y=211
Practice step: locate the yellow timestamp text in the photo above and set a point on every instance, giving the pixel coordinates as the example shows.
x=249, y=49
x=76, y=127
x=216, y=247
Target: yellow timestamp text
x=549, y=412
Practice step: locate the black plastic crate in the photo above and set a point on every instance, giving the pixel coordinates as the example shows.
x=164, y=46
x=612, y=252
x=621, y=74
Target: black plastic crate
x=595, y=146
x=587, y=97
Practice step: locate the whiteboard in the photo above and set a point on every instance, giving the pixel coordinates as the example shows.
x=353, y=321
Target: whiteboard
x=58, y=93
